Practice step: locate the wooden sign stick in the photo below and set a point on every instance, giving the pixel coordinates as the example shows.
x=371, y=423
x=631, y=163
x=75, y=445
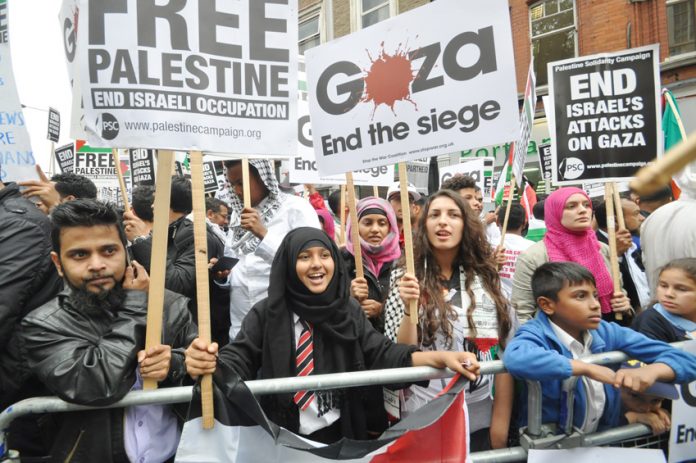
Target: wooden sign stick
x=659, y=173
x=246, y=187
x=511, y=193
x=158, y=261
x=200, y=243
x=611, y=231
x=618, y=207
x=375, y=191
x=121, y=181
x=343, y=215
x=408, y=236
x=53, y=159
x=355, y=231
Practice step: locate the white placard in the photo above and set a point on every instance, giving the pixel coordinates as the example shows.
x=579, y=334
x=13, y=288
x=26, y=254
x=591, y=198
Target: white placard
x=434, y=80
x=419, y=174
x=303, y=169
x=190, y=75
x=596, y=454
x=97, y=164
x=519, y=158
x=682, y=436
x=481, y=169
x=69, y=17
x=16, y=156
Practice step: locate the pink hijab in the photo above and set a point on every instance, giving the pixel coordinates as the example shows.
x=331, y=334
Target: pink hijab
x=327, y=222
x=563, y=245
x=374, y=257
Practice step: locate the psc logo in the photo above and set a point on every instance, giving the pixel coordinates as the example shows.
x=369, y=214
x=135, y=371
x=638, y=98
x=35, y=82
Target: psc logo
x=571, y=168
x=107, y=126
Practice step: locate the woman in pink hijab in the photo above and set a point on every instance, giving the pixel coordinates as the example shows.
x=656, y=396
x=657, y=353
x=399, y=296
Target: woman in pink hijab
x=569, y=238
x=379, y=246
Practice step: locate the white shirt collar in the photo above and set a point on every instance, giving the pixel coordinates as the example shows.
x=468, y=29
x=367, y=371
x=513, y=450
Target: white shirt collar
x=570, y=342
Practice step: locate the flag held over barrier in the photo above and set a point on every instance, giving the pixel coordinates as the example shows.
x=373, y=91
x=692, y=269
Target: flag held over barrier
x=244, y=434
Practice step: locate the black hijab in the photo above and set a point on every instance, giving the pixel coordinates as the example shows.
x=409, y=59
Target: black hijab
x=334, y=328
x=328, y=311
x=331, y=313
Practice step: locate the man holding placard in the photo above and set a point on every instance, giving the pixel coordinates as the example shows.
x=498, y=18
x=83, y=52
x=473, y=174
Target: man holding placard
x=87, y=345
x=257, y=233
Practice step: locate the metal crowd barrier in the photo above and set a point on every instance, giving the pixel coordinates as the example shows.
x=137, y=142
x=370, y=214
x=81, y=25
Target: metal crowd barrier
x=536, y=435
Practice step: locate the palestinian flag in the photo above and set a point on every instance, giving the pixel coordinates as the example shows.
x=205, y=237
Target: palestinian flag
x=528, y=199
x=502, y=188
x=672, y=128
x=242, y=433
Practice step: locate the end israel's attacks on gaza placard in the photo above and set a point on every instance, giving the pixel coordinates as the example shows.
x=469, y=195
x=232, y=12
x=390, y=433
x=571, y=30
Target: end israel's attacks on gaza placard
x=190, y=75
x=436, y=79
x=606, y=119
x=16, y=156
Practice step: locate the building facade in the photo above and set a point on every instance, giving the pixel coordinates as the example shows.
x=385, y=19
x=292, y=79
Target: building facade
x=549, y=30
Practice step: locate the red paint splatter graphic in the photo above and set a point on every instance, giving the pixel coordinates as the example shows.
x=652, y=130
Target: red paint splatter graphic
x=76, y=16
x=389, y=79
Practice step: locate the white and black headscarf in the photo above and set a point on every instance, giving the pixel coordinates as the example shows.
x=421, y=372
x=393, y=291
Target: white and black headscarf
x=267, y=208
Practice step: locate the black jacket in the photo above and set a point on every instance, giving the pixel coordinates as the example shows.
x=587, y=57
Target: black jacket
x=181, y=272
x=372, y=351
x=377, y=287
x=89, y=357
x=652, y=324
x=219, y=297
x=28, y=278
x=181, y=262
x=628, y=283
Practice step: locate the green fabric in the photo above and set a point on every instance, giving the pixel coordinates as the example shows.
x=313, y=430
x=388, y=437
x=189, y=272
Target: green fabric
x=536, y=234
x=500, y=187
x=670, y=126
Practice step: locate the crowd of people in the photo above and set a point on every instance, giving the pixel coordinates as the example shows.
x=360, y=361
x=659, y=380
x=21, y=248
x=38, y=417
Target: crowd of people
x=74, y=292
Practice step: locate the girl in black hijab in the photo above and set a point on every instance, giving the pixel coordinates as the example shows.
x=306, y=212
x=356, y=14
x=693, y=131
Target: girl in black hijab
x=308, y=297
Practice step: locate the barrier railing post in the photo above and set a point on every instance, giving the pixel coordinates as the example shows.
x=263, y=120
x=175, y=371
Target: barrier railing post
x=569, y=389
x=534, y=407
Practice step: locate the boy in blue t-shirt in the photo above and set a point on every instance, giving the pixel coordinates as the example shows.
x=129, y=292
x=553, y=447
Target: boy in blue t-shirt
x=569, y=326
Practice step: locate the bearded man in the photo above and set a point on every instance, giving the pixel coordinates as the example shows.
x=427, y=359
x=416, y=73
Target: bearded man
x=87, y=344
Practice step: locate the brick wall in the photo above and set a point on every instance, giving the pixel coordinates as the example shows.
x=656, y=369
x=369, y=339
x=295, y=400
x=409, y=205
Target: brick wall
x=519, y=17
x=605, y=25
x=405, y=5
x=341, y=17
x=307, y=3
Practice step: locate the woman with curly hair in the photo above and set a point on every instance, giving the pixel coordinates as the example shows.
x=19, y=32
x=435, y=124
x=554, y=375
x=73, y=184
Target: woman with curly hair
x=461, y=308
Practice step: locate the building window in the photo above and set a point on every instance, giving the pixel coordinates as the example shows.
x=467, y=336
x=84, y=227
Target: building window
x=552, y=26
x=309, y=33
x=680, y=26
x=374, y=11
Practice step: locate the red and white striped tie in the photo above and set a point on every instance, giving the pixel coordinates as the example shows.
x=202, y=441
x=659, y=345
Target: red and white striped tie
x=304, y=364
